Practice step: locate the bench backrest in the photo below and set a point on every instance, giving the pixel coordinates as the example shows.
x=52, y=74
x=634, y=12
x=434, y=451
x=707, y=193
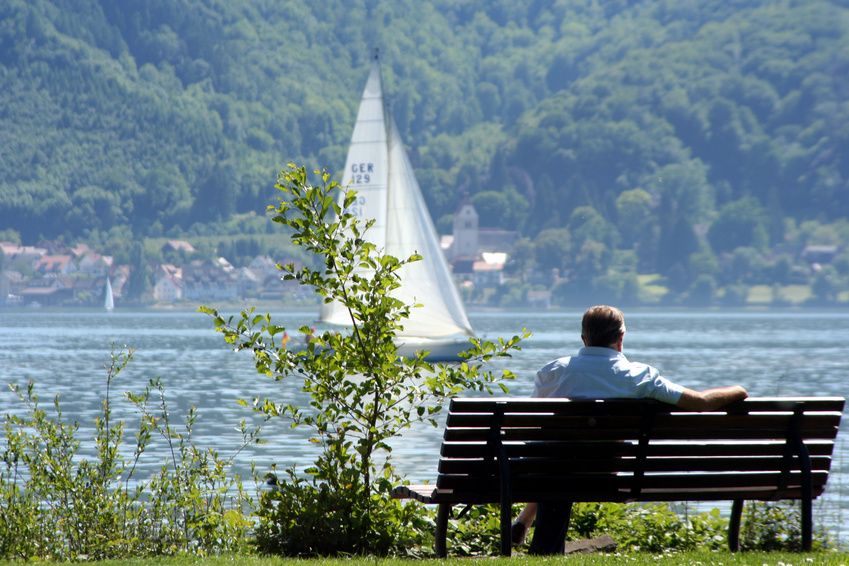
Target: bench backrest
x=621, y=450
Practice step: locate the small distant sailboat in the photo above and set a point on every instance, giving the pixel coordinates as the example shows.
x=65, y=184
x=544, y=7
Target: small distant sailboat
x=109, y=301
x=378, y=168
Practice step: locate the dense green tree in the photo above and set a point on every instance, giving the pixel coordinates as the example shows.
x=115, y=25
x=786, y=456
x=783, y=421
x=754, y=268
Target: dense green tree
x=591, y=260
x=634, y=211
x=677, y=242
x=702, y=292
x=139, y=282
x=637, y=224
x=500, y=209
x=553, y=249
x=586, y=224
x=522, y=261
x=739, y=223
x=735, y=295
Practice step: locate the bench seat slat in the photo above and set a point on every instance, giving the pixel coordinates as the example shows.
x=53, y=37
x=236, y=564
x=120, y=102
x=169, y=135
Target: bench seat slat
x=429, y=494
x=576, y=482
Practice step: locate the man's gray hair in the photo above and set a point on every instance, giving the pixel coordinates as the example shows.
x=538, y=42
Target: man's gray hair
x=602, y=325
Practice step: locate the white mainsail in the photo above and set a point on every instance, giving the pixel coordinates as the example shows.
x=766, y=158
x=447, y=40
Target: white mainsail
x=109, y=300
x=379, y=170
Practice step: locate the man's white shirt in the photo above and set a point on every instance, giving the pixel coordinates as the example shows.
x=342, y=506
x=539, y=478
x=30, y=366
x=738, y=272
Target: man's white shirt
x=603, y=373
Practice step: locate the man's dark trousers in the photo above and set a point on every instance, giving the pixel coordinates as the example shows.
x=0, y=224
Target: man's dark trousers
x=551, y=525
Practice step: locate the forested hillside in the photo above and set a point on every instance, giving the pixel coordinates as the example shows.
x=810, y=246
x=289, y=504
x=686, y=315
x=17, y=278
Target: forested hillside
x=683, y=137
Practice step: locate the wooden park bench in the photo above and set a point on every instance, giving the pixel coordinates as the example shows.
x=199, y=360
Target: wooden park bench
x=511, y=450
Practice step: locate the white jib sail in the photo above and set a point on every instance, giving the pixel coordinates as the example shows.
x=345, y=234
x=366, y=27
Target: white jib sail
x=410, y=230
x=108, y=300
x=387, y=191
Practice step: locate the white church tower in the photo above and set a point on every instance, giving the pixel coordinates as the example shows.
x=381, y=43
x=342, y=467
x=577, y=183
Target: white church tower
x=465, y=243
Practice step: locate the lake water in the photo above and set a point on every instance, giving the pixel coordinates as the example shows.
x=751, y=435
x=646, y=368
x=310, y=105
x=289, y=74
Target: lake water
x=64, y=352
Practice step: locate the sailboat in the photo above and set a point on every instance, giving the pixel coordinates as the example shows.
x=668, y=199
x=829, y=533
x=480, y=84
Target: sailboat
x=109, y=301
x=379, y=170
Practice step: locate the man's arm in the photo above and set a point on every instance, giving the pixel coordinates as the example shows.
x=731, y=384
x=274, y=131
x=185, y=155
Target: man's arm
x=710, y=399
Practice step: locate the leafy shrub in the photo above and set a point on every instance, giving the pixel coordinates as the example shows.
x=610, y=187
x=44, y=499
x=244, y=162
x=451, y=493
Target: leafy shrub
x=58, y=504
x=634, y=527
x=478, y=531
x=770, y=526
x=773, y=526
x=649, y=527
x=298, y=517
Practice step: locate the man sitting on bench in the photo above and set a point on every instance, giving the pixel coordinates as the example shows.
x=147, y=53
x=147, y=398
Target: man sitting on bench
x=601, y=371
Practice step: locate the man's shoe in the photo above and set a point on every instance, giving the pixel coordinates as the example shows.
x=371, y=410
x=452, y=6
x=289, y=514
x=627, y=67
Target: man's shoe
x=517, y=533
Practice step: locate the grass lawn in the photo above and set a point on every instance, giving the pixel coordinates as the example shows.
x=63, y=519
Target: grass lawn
x=791, y=294
x=636, y=559
x=796, y=294
x=759, y=294
x=651, y=291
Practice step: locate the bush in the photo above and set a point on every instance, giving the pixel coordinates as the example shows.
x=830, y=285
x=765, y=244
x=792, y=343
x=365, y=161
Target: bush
x=60, y=505
x=654, y=528
x=774, y=526
x=298, y=517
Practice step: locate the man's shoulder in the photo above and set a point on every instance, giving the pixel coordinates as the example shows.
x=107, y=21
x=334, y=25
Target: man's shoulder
x=639, y=367
x=558, y=362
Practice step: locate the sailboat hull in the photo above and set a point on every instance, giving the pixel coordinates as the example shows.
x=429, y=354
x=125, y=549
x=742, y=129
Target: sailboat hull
x=439, y=350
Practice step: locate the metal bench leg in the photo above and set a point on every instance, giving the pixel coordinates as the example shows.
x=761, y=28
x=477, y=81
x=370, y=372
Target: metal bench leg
x=807, y=483
x=439, y=543
x=506, y=524
x=734, y=525
x=807, y=523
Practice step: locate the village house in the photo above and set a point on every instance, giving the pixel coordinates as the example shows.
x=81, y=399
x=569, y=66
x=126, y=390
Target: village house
x=263, y=266
x=205, y=280
x=86, y=290
x=168, y=286
x=92, y=263
x=249, y=281
x=55, y=265
x=488, y=272
x=178, y=246
x=819, y=254
x=54, y=291
x=24, y=253
x=79, y=250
